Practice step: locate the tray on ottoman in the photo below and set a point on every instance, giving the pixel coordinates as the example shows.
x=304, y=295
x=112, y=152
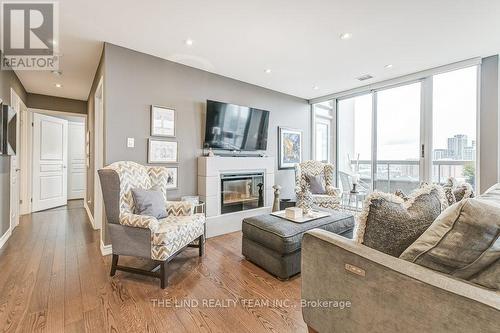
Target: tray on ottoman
x=273, y=243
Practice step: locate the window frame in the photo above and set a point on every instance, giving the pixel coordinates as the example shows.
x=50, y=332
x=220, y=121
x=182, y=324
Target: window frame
x=426, y=114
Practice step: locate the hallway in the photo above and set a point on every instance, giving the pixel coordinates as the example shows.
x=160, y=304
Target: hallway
x=54, y=279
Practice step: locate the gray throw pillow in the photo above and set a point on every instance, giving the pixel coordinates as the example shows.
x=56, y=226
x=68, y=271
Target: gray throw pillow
x=464, y=241
x=390, y=224
x=316, y=184
x=149, y=202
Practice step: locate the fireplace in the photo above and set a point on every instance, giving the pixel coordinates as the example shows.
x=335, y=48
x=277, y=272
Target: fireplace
x=241, y=191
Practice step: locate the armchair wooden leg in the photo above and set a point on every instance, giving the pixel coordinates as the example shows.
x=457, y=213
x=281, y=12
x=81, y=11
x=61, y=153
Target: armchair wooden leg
x=114, y=263
x=201, y=243
x=163, y=275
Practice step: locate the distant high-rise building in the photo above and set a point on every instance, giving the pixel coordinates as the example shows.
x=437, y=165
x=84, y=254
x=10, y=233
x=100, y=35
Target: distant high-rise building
x=441, y=154
x=469, y=153
x=456, y=146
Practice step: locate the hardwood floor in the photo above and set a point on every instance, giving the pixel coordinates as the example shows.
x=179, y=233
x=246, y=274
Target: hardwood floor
x=54, y=279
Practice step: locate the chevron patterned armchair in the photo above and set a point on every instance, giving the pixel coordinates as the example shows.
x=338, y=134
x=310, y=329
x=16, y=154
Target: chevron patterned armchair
x=145, y=236
x=331, y=198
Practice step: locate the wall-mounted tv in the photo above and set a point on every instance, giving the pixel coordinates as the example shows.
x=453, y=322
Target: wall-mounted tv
x=8, y=124
x=235, y=127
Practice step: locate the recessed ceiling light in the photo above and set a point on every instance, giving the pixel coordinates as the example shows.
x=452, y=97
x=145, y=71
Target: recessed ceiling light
x=58, y=73
x=316, y=88
x=388, y=66
x=345, y=35
x=58, y=85
x=268, y=71
x=189, y=42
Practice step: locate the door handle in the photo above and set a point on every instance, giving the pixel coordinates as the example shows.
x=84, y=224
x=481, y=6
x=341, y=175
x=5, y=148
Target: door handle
x=17, y=170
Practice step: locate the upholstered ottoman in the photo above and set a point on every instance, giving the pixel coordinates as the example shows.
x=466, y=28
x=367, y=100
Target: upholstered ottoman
x=273, y=243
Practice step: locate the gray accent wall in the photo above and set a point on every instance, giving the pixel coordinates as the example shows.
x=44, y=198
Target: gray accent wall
x=488, y=120
x=8, y=79
x=54, y=103
x=135, y=80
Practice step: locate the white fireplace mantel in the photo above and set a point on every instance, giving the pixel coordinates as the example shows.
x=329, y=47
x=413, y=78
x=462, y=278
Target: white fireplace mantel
x=209, y=189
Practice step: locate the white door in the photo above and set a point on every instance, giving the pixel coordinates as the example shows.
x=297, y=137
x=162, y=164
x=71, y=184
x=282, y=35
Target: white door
x=76, y=156
x=50, y=157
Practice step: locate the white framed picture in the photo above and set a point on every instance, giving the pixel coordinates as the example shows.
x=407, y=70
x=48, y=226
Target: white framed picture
x=162, y=121
x=172, y=178
x=161, y=151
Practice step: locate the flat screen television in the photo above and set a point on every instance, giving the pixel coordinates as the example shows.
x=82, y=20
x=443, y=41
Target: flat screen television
x=8, y=124
x=234, y=127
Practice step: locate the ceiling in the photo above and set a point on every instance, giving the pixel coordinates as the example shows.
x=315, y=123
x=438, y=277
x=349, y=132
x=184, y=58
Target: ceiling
x=298, y=40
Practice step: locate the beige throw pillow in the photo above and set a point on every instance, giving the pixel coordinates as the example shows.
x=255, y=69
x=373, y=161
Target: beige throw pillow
x=464, y=241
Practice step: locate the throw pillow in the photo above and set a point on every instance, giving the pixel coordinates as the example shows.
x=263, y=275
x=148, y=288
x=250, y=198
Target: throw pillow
x=401, y=194
x=448, y=191
x=463, y=241
x=390, y=224
x=455, y=192
x=149, y=202
x=463, y=191
x=316, y=184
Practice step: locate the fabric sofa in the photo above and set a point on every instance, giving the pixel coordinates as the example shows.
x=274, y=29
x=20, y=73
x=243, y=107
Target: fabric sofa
x=386, y=293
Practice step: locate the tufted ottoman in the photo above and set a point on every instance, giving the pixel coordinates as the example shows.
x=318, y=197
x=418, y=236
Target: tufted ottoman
x=274, y=243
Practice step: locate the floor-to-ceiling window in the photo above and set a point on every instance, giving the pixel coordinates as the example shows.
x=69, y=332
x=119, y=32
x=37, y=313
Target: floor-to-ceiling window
x=394, y=137
x=454, y=125
x=398, y=138
x=323, y=116
x=354, y=134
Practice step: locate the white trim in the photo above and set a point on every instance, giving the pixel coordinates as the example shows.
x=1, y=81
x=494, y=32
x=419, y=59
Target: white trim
x=25, y=157
x=58, y=113
x=5, y=237
x=106, y=250
x=498, y=115
x=478, y=131
x=399, y=80
x=89, y=214
x=426, y=129
x=98, y=154
x=15, y=166
x=27, y=149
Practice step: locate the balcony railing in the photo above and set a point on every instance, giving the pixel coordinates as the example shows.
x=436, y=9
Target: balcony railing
x=392, y=175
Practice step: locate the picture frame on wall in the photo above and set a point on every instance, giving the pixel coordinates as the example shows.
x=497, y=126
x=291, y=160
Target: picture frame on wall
x=163, y=121
x=289, y=147
x=162, y=151
x=172, y=178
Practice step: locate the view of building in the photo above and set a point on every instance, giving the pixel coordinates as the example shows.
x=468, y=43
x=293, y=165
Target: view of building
x=458, y=149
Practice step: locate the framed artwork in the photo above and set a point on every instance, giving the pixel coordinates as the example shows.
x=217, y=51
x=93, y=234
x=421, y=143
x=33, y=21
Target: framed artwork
x=289, y=147
x=161, y=151
x=172, y=178
x=162, y=121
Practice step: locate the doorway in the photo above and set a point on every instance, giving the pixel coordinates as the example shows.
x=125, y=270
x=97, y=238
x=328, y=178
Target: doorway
x=54, y=148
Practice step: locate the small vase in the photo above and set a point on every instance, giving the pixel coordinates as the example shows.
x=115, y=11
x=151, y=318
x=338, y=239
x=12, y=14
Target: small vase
x=305, y=202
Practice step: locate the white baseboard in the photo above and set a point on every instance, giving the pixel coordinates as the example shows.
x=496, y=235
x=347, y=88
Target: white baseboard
x=106, y=250
x=89, y=214
x=5, y=237
x=227, y=223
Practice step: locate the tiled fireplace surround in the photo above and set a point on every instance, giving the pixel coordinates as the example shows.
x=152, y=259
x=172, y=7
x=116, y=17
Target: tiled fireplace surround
x=210, y=171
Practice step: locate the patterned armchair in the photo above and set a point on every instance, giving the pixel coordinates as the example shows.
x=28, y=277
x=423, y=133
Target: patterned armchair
x=145, y=236
x=331, y=199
